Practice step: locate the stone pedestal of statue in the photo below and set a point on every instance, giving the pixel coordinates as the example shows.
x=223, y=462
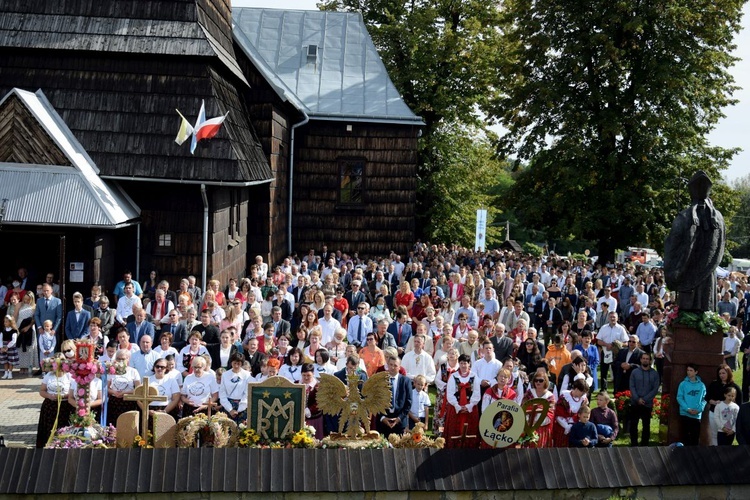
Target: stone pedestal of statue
x=689, y=345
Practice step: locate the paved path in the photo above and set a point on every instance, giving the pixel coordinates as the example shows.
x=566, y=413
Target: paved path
x=19, y=410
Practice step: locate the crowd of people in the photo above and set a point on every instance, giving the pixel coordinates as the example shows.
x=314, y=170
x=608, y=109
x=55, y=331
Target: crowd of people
x=478, y=326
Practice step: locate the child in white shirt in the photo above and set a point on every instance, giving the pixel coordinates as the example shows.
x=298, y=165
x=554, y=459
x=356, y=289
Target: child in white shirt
x=725, y=417
x=419, y=401
x=47, y=342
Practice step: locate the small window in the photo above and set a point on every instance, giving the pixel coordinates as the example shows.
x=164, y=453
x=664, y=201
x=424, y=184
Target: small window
x=312, y=53
x=165, y=240
x=164, y=244
x=351, y=182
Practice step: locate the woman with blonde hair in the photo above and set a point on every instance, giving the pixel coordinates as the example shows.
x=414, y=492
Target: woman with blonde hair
x=404, y=296
x=469, y=288
x=319, y=301
x=232, y=318
x=219, y=295
x=27, y=357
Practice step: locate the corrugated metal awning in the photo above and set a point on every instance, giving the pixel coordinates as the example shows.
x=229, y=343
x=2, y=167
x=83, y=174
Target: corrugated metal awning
x=52, y=195
x=61, y=196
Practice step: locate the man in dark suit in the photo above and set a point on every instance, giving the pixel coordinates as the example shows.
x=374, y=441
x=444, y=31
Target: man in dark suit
x=175, y=327
x=280, y=325
x=502, y=343
x=299, y=292
x=354, y=297
x=395, y=419
x=284, y=305
x=77, y=321
x=48, y=307
x=401, y=331
x=551, y=318
x=253, y=355
x=139, y=327
x=625, y=362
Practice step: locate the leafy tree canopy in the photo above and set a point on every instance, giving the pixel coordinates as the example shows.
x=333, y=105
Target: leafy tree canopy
x=467, y=176
x=739, y=232
x=608, y=104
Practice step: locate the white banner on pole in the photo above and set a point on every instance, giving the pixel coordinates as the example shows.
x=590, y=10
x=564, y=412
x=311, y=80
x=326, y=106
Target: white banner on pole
x=481, y=232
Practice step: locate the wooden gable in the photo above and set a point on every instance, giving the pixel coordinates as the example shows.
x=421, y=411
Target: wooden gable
x=23, y=140
x=117, y=71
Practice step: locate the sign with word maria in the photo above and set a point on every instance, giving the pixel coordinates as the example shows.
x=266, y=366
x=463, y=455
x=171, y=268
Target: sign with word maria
x=276, y=407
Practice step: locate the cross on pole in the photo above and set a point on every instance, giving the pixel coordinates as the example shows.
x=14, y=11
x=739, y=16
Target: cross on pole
x=463, y=437
x=144, y=395
x=210, y=404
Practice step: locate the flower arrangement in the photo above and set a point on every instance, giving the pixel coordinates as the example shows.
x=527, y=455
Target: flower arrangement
x=83, y=369
x=247, y=437
x=416, y=439
x=303, y=438
x=661, y=407
x=219, y=431
x=708, y=323
x=70, y=437
x=622, y=401
x=146, y=441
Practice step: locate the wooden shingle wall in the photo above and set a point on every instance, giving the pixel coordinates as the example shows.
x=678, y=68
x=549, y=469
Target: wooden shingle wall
x=385, y=220
x=23, y=140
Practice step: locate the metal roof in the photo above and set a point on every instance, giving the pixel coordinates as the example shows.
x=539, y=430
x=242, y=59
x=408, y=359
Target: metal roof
x=228, y=470
x=61, y=195
x=344, y=80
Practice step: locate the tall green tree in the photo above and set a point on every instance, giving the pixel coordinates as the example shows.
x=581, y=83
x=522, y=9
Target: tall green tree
x=739, y=232
x=444, y=57
x=608, y=104
x=469, y=177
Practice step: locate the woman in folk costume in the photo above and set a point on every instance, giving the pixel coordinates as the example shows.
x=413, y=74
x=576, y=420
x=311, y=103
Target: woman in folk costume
x=444, y=372
x=501, y=390
x=463, y=394
x=566, y=412
x=313, y=414
x=539, y=389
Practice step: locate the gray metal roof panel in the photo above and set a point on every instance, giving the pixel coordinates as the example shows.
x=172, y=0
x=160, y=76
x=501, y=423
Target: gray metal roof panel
x=347, y=79
x=57, y=196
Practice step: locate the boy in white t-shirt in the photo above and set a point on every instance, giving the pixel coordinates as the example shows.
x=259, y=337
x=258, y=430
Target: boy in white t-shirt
x=419, y=402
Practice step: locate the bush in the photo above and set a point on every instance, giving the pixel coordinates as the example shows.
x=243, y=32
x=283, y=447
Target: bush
x=533, y=249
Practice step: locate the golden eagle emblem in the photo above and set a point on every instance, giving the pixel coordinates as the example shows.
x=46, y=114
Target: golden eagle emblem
x=352, y=407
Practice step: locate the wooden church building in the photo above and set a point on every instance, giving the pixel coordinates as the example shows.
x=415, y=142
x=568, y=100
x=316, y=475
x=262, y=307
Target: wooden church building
x=92, y=87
